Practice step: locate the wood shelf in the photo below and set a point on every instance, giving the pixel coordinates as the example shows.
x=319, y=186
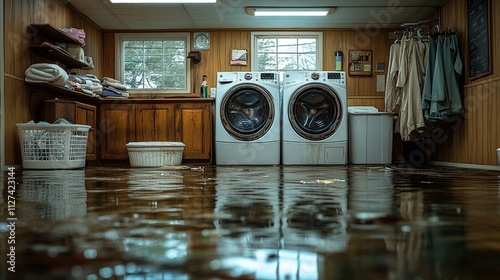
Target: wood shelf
x=58, y=55
x=65, y=91
x=54, y=34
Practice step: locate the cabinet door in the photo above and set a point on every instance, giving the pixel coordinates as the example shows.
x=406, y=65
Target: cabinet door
x=116, y=130
x=194, y=129
x=155, y=122
x=86, y=114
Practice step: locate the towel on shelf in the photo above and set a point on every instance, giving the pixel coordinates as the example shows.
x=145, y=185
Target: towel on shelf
x=46, y=72
x=86, y=83
x=109, y=82
x=109, y=91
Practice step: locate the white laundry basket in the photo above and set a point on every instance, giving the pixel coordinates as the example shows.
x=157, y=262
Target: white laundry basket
x=155, y=153
x=53, y=146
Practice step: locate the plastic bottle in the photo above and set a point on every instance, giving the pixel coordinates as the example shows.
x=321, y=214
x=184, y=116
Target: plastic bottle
x=204, y=87
x=338, y=61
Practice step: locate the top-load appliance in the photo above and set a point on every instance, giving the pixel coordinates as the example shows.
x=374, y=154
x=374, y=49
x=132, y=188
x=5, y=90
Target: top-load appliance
x=248, y=118
x=314, y=127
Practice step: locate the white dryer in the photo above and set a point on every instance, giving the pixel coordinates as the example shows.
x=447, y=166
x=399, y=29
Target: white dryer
x=248, y=119
x=315, y=130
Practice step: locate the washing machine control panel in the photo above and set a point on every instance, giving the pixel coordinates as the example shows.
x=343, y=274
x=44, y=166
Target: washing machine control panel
x=267, y=76
x=336, y=77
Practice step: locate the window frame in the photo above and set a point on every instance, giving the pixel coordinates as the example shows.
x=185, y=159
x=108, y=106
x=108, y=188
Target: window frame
x=119, y=65
x=296, y=34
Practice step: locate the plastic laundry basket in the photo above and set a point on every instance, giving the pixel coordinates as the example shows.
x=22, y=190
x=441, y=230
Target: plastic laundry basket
x=53, y=146
x=370, y=135
x=155, y=153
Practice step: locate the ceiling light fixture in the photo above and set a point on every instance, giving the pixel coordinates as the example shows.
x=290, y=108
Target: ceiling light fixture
x=163, y=1
x=290, y=12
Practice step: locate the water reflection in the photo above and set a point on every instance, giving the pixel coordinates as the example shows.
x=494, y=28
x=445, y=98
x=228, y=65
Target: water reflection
x=371, y=191
x=52, y=196
x=272, y=222
x=315, y=211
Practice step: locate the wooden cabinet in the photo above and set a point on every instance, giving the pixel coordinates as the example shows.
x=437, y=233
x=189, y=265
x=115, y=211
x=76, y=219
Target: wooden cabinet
x=74, y=112
x=184, y=121
x=155, y=122
x=117, y=128
x=194, y=129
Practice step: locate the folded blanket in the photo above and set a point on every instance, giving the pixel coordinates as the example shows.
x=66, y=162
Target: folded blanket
x=111, y=80
x=113, y=92
x=117, y=85
x=46, y=72
x=83, y=78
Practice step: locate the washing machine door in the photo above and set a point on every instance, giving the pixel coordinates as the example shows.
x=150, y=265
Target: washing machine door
x=247, y=111
x=315, y=111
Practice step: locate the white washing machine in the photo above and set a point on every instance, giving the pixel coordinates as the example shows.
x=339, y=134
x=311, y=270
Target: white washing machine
x=248, y=119
x=315, y=130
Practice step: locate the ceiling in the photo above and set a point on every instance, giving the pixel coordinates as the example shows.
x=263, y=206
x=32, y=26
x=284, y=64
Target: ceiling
x=230, y=14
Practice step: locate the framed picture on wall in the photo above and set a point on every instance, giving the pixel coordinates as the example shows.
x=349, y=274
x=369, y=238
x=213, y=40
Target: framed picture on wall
x=239, y=57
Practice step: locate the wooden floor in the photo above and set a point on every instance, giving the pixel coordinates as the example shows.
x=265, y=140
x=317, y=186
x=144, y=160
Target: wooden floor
x=251, y=222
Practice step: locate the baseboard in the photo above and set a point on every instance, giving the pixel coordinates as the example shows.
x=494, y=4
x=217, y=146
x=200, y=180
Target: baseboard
x=465, y=165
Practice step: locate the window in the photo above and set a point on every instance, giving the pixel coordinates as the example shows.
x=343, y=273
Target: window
x=280, y=51
x=154, y=63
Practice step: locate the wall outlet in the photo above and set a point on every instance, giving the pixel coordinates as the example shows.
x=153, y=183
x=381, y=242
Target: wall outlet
x=213, y=92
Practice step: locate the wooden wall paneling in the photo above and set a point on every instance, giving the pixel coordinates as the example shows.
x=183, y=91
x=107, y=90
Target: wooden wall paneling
x=482, y=123
x=496, y=129
x=487, y=112
x=22, y=101
x=466, y=129
x=108, y=55
x=475, y=140
x=15, y=112
x=494, y=116
x=470, y=119
x=472, y=129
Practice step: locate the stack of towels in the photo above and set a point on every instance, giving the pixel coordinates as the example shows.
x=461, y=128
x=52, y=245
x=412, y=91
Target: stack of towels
x=86, y=83
x=46, y=73
x=113, y=88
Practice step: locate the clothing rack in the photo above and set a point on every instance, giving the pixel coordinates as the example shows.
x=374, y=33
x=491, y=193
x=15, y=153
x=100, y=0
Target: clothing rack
x=422, y=29
x=432, y=52
x=422, y=22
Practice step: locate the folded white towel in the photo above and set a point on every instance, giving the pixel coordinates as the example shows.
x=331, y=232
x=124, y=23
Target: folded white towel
x=119, y=86
x=46, y=72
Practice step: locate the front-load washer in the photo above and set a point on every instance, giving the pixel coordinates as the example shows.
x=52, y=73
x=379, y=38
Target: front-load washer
x=315, y=130
x=248, y=119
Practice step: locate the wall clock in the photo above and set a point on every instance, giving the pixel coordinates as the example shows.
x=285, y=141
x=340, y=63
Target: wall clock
x=201, y=41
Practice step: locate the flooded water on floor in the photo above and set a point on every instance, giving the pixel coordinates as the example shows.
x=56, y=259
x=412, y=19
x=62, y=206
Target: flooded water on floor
x=251, y=222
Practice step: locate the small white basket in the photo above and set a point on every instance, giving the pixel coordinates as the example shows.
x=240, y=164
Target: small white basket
x=53, y=146
x=155, y=153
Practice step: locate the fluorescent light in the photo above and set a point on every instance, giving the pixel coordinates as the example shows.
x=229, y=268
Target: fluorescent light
x=163, y=1
x=290, y=12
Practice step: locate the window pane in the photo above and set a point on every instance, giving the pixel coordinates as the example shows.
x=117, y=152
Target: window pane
x=286, y=52
x=307, y=45
x=307, y=62
x=287, y=45
x=268, y=62
x=155, y=64
x=266, y=45
x=287, y=62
